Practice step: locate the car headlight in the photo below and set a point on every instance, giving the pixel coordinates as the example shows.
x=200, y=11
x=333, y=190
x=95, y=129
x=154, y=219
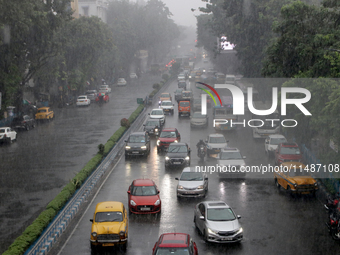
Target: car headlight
x=167, y=158
x=239, y=231
x=158, y=142
x=316, y=184
x=210, y=231
x=122, y=234
x=200, y=187
x=156, y=129
x=157, y=202
x=133, y=203
x=295, y=185
x=94, y=234
x=176, y=141
x=127, y=147
x=187, y=158
x=143, y=147
x=180, y=187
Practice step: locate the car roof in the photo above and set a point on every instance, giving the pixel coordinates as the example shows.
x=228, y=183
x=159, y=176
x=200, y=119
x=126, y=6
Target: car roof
x=45, y=107
x=216, y=204
x=181, y=144
x=276, y=136
x=169, y=129
x=191, y=169
x=216, y=135
x=228, y=149
x=143, y=182
x=165, y=93
x=138, y=133
x=166, y=101
x=293, y=164
x=158, y=109
x=109, y=206
x=289, y=145
x=174, y=240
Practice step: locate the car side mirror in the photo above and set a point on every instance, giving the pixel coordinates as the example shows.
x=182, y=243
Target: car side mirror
x=244, y=157
x=206, y=178
x=158, y=192
x=125, y=141
x=206, y=141
x=176, y=179
x=202, y=217
x=148, y=113
x=91, y=220
x=238, y=216
x=144, y=125
x=129, y=192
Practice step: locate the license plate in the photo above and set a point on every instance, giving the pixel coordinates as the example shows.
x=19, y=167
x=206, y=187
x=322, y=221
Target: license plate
x=108, y=244
x=227, y=238
x=145, y=209
x=177, y=163
x=135, y=152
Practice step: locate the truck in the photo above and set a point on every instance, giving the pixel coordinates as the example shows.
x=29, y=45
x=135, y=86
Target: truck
x=184, y=108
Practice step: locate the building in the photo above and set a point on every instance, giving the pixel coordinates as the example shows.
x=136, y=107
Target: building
x=96, y=8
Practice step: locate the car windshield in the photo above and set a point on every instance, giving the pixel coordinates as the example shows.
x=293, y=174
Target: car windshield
x=220, y=214
x=81, y=97
x=186, y=94
x=137, y=139
x=152, y=123
x=277, y=141
x=172, y=251
x=109, y=216
x=157, y=112
x=178, y=91
x=191, y=176
x=164, y=103
x=217, y=139
x=177, y=148
x=198, y=115
x=103, y=86
x=184, y=104
x=168, y=134
x=2, y=130
x=230, y=155
x=42, y=110
x=165, y=95
x=290, y=151
x=143, y=191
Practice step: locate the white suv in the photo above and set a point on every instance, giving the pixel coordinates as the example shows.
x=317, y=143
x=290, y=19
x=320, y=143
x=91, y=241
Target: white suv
x=167, y=106
x=231, y=163
x=215, y=142
x=271, y=143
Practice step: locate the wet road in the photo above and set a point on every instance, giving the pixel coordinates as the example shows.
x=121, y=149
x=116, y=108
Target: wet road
x=273, y=222
x=34, y=169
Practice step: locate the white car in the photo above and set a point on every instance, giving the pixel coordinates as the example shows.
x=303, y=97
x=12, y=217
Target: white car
x=192, y=183
x=272, y=141
x=121, y=82
x=217, y=222
x=133, y=76
x=104, y=89
x=167, y=106
x=158, y=114
x=7, y=135
x=83, y=100
x=231, y=162
x=215, y=142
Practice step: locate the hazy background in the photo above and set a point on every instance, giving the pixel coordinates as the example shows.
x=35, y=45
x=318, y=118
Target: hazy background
x=181, y=10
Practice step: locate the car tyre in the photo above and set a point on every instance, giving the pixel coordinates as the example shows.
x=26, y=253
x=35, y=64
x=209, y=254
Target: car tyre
x=124, y=246
x=205, y=236
x=277, y=183
x=94, y=249
x=126, y=156
x=27, y=127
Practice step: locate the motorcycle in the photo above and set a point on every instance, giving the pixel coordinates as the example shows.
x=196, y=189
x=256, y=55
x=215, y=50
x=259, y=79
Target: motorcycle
x=201, y=151
x=333, y=223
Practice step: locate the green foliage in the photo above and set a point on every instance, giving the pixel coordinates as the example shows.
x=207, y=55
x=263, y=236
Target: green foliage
x=165, y=76
x=125, y=122
x=101, y=148
x=156, y=86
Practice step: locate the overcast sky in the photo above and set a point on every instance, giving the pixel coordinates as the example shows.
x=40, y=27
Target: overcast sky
x=181, y=10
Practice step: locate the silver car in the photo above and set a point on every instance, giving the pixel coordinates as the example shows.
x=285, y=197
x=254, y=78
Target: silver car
x=192, y=183
x=231, y=163
x=217, y=222
x=198, y=120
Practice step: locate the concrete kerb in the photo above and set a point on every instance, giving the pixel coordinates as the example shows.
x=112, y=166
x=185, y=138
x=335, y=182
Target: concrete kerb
x=55, y=229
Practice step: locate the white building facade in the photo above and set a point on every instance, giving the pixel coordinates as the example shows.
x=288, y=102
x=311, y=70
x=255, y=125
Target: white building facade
x=96, y=8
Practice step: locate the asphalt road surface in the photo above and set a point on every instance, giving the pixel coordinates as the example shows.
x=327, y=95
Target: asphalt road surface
x=273, y=221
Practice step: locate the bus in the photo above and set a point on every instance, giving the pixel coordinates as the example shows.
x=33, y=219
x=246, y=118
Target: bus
x=264, y=125
x=225, y=112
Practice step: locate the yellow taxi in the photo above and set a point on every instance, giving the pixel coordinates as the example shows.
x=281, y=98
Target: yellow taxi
x=109, y=226
x=166, y=96
x=295, y=178
x=44, y=113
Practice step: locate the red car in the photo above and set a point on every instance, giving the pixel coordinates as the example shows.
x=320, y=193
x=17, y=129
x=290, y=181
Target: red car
x=167, y=136
x=286, y=152
x=144, y=197
x=102, y=97
x=175, y=243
